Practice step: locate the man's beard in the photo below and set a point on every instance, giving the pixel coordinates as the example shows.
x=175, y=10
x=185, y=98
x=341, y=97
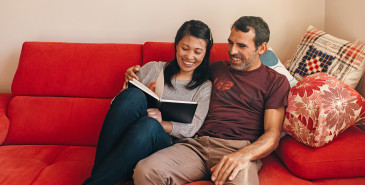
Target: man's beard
x=245, y=64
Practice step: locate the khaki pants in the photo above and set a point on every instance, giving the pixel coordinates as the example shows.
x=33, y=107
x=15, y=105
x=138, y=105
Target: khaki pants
x=190, y=160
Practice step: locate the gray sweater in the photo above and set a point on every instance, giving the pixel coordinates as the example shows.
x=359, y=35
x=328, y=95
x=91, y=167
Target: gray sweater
x=149, y=73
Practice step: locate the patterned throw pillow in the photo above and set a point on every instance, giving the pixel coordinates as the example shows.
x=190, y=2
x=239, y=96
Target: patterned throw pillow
x=322, y=52
x=271, y=60
x=320, y=107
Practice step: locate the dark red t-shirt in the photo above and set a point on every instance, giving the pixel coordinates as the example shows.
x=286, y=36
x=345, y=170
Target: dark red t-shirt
x=239, y=100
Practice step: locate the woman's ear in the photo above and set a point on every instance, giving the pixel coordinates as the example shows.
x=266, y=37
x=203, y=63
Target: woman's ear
x=262, y=48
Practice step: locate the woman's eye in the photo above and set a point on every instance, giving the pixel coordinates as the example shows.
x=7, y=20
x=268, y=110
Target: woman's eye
x=198, y=53
x=185, y=49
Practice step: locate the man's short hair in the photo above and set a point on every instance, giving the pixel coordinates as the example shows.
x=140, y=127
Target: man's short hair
x=261, y=29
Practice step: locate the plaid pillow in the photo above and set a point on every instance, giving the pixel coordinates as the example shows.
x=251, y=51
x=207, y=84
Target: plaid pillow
x=322, y=52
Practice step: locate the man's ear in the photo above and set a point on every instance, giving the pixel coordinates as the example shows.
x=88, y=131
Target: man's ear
x=262, y=48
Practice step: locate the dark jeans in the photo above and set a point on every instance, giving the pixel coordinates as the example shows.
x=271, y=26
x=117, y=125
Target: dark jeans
x=127, y=136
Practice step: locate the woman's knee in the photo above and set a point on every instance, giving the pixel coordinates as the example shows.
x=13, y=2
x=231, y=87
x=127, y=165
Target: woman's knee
x=150, y=130
x=130, y=93
x=130, y=98
x=149, y=125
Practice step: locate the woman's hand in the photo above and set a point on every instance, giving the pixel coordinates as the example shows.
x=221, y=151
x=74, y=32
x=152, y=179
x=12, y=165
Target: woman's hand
x=154, y=113
x=130, y=74
x=152, y=86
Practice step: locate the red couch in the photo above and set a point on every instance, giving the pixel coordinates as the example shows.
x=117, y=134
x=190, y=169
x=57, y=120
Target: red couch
x=49, y=124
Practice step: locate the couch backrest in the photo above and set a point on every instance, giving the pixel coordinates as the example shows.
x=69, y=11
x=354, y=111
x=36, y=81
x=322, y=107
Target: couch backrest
x=74, y=69
x=62, y=91
x=55, y=120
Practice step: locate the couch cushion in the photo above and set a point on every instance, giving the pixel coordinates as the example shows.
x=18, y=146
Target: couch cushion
x=74, y=69
x=56, y=120
x=45, y=164
x=273, y=172
x=341, y=181
x=344, y=157
x=4, y=120
x=164, y=51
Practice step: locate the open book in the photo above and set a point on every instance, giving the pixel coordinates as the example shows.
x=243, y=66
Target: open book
x=171, y=110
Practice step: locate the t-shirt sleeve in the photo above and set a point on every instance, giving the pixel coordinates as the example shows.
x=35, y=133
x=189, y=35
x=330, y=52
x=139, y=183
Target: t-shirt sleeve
x=278, y=95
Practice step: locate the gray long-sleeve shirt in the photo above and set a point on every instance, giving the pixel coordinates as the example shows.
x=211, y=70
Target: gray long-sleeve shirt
x=149, y=73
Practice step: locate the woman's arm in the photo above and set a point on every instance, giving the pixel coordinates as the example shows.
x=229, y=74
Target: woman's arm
x=181, y=130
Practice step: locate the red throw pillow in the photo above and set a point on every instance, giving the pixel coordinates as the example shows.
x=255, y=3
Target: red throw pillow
x=344, y=157
x=320, y=107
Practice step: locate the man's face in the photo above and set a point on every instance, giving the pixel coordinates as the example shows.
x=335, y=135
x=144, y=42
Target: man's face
x=242, y=51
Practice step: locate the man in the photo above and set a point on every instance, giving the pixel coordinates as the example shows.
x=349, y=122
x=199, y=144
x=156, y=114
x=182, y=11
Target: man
x=244, y=121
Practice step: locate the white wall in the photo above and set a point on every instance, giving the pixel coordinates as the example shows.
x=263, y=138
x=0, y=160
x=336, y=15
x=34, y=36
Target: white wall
x=138, y=21
x=345, y=19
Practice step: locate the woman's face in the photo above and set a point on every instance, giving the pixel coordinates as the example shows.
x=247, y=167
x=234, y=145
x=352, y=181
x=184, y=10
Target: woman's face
x=190, y=52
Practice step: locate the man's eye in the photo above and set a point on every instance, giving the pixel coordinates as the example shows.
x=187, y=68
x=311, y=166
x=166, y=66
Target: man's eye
x=198, y=53
x=185, y=49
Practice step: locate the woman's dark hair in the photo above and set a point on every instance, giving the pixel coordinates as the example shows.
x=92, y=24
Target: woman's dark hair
x=199, y=30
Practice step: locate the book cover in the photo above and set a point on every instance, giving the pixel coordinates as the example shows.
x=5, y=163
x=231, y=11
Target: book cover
x=171, y=110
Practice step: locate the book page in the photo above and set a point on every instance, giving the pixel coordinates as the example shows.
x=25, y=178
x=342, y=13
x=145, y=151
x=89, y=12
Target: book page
x=160, y=83
x=144, y=88
x=179, y=101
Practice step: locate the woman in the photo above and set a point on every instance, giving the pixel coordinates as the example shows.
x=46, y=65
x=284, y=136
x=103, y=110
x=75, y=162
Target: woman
x=132, y=131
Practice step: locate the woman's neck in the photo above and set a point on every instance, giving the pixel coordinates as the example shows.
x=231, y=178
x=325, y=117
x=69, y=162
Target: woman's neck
x=184, y=76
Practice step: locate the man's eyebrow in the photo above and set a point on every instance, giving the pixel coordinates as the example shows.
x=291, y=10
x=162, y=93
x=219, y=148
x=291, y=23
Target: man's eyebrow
x=241, y=44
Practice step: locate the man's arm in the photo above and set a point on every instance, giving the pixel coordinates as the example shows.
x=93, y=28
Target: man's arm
x=231, y=164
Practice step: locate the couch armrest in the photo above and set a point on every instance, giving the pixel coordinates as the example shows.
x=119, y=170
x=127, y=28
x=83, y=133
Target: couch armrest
x=4, y=120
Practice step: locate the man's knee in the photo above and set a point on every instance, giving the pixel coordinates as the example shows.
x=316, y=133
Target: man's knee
x=248, y=175
x=145, y=172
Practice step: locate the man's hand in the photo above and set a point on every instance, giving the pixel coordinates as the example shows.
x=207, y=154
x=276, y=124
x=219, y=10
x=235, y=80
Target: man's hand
x=154, y=113
x=130, y=74
x=228, y=167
